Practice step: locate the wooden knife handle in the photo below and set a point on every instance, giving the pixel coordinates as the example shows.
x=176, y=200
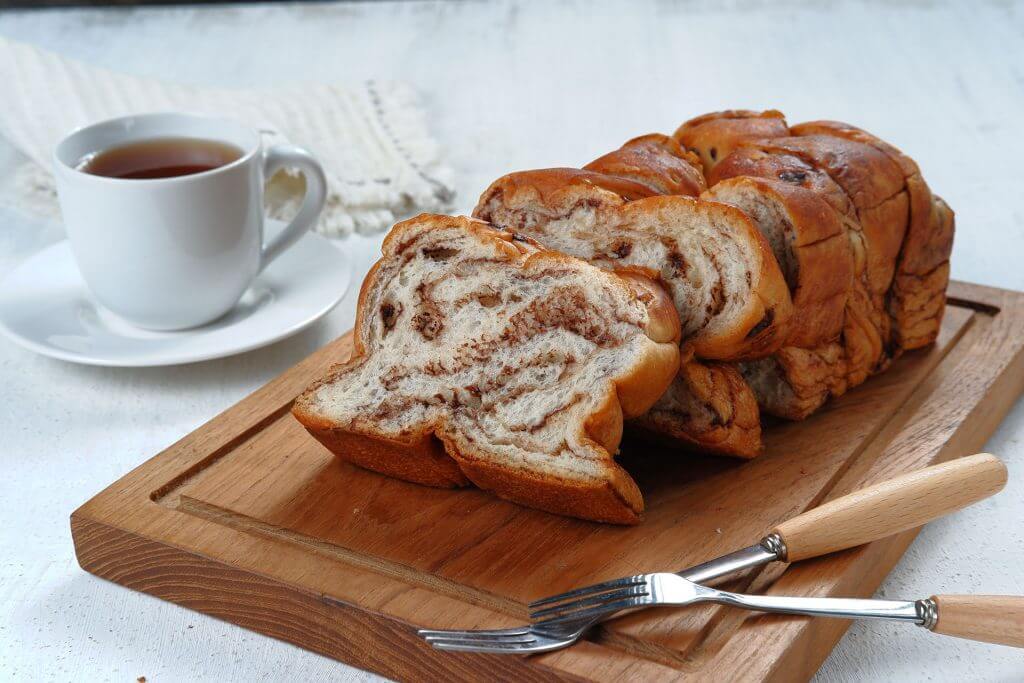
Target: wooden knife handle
x=892, y=506
x=988, y=618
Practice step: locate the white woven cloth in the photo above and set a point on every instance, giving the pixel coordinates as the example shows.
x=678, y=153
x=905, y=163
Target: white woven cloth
x=372, y=139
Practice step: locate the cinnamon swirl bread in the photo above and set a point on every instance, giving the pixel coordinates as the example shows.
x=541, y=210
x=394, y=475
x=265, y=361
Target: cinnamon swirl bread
x=732, y=298
x=480, y=357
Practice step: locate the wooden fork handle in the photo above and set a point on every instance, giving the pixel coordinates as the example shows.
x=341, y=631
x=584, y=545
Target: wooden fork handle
x=892, y=506
x=988, y=618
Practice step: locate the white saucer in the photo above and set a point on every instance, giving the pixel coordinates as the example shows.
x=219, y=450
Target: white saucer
x=45, y=306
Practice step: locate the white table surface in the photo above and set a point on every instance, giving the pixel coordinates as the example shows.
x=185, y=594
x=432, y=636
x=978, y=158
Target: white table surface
x=509, y=85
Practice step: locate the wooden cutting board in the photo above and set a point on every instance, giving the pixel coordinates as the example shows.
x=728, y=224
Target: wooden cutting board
x=250, y=520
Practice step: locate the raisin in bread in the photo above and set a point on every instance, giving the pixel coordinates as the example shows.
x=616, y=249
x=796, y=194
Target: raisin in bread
x=480, y=357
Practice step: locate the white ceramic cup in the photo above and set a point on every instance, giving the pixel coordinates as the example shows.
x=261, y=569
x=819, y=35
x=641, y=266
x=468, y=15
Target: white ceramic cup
x=173, y=253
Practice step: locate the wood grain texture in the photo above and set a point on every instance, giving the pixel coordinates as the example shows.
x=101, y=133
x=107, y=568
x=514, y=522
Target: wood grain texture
x=988, y=618
x=892, y=506
x=251, y=521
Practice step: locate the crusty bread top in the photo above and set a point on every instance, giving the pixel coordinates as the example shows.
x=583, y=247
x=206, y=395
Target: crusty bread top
x=714, y=136
x=521, y=360
x=657, y=161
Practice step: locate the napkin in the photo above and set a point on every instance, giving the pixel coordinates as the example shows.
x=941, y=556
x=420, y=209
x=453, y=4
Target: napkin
x=380, y=160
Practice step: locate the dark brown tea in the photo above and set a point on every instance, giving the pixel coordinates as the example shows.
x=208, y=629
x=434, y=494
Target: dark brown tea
x=159, y=158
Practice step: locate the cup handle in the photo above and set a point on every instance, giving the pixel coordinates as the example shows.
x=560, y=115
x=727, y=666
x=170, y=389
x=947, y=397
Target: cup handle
x=282, y=156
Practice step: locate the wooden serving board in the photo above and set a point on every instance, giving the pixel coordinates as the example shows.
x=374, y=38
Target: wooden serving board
x=250, y=520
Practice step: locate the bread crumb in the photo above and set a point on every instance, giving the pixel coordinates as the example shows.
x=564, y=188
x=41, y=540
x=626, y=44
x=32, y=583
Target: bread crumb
x=141, y=679
x=718, y=530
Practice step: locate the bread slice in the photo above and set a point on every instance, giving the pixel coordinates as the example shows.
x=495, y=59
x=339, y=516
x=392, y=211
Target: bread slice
x=811, y=244
x=710, y=408
x=731, y=296
x=483, y=358
x=917, y=297
x=656, y=161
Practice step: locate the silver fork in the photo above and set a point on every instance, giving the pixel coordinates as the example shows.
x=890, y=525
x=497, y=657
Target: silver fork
x=880, y=510
x=566, y=621
x=989, y=618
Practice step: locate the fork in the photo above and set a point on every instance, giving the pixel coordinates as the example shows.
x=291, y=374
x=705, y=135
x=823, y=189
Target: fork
x=990, y=618
x=877, y=511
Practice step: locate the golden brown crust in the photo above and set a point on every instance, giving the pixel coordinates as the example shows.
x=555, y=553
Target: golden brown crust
x=559, y=189
x=612, y=497
x=421, y=461
x=616, y=501
x=714, y=136
x=657, y=161
x=917, y=299
x=796, y=381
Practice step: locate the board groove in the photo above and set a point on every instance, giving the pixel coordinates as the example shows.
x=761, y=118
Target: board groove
x=401, y=572
x=249, y=520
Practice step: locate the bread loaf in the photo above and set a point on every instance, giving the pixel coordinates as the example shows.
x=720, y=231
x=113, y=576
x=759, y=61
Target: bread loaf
x=480, y=357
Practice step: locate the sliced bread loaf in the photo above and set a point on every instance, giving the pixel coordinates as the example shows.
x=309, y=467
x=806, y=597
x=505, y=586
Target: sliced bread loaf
x=483, y=358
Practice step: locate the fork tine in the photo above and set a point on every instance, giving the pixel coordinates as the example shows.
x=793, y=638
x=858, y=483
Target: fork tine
x=570, y=608
x=517, y=631
x=588, y=590
x=483, y=638
x=484, y=646
x=593, y=612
